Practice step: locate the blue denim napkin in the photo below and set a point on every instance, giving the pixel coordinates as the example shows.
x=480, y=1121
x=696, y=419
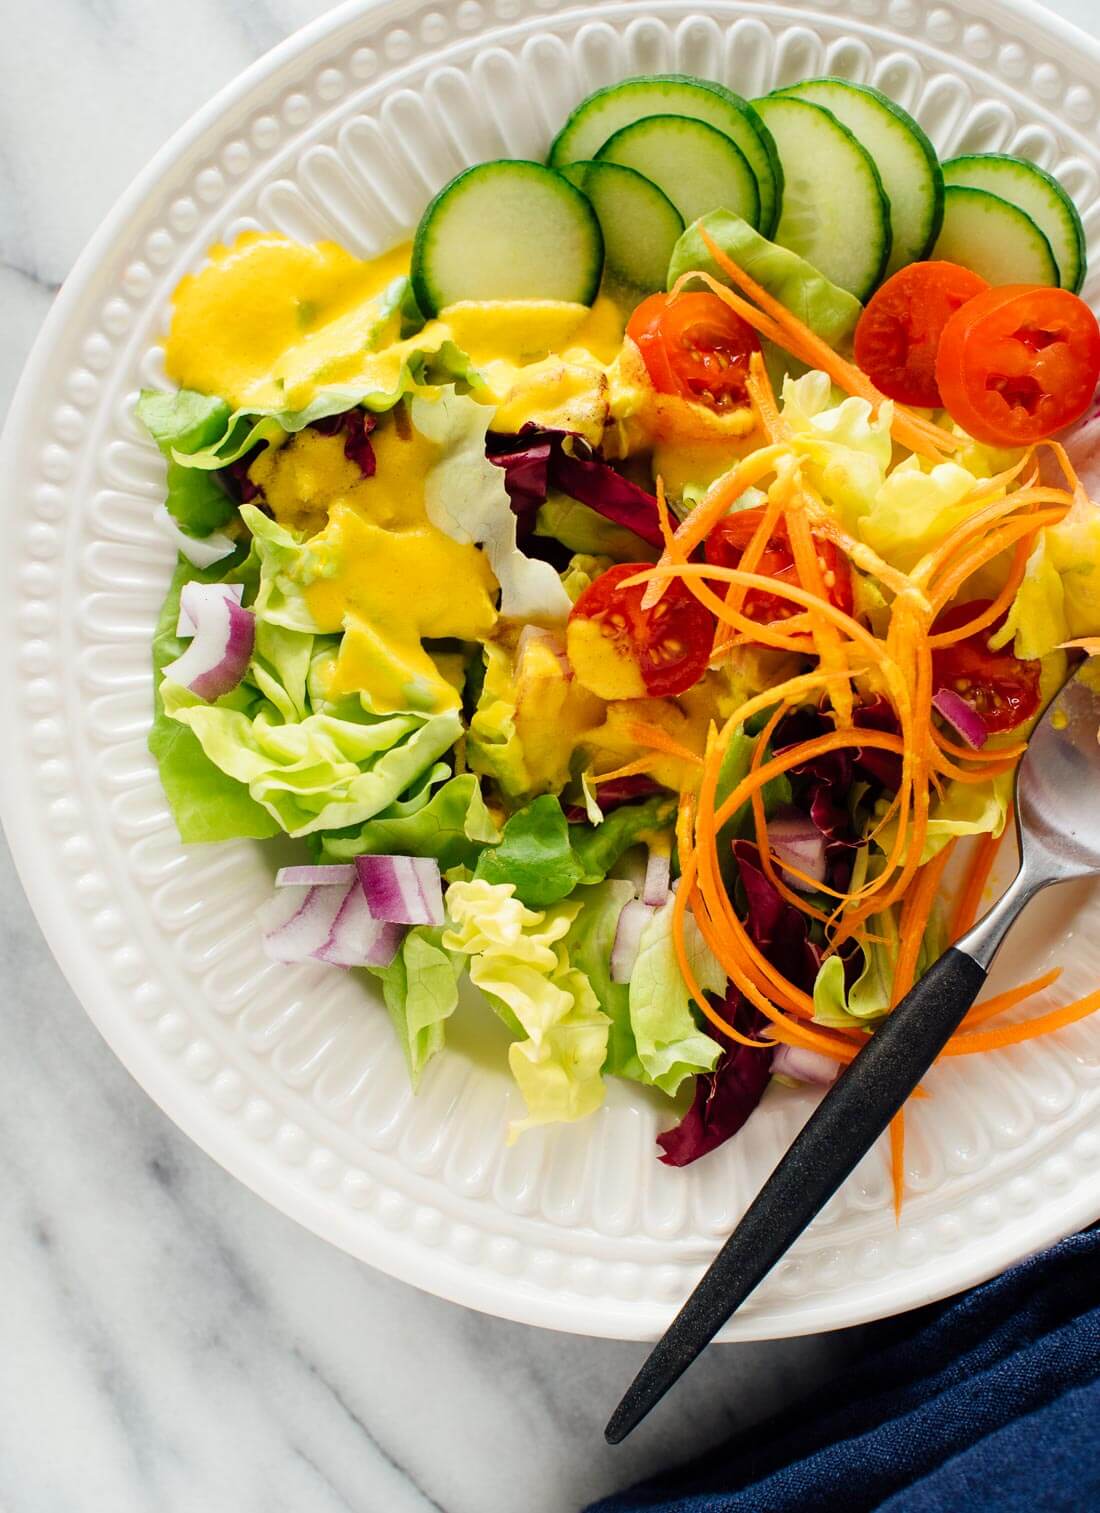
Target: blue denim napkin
x=988, y=1403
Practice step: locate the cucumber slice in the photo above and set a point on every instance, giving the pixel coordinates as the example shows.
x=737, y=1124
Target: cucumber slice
x=1039, y=195
x=903, y=155
x=506, y=230
x=696, y=166
x=995, y=238
x=608, y=110
x=640, y=224
x=835, y=211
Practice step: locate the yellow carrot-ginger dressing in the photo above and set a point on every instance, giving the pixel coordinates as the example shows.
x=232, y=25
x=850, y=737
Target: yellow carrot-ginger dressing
x=380, y=571
x=267, y=323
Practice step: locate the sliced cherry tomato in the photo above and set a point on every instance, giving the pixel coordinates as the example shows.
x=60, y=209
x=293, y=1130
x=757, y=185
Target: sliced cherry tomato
x=694, y=346
x=899, y=333
x=620, y=650
x=1003, y=690
x=725, y=547
x=1018, y=363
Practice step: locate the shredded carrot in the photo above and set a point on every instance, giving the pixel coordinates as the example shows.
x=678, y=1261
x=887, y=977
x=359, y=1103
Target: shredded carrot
x=817, y=352
x=997, y=607
x=897, y=1161
x=982, y=857
x=657, y=739
x=914, y=921
x=631, y=769
x=762, y=397
x=1003, y=517
x=968, y=1042
x=663, y=516
x=989, y=1008
x=691, y=533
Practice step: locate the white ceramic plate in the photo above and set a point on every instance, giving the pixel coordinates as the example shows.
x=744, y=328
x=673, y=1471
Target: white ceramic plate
x=290, y=1077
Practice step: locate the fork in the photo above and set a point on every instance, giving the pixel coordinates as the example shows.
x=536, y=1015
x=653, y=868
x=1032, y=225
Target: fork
x=1058, y=827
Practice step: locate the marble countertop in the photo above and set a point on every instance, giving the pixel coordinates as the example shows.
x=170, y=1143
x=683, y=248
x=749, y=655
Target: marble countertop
x=170, y=1342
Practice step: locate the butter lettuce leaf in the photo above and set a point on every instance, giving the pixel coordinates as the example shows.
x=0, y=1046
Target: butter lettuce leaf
x=452, y=825
x=518, y=957
x=590, y=942
x=421, y=364
x=915, y=510
x=325, y=772
x=671, y=1047
x=207, y=804
x=1073, y=550
x=420, y=988
x=184, y=423
x=830, y=311
x=465, y=497
x=1037, y=622
x=845, y=449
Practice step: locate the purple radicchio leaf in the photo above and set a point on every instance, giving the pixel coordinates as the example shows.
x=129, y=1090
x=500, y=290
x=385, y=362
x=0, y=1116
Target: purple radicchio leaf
x=614, y=794
x=535, y=460
x=726, y=1097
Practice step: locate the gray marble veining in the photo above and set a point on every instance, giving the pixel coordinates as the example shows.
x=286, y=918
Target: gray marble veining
x=170, y=1342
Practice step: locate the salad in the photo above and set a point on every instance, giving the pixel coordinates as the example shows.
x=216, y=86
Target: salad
x=636, y=594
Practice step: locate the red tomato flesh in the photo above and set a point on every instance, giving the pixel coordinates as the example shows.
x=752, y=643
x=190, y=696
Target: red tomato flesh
x=725, y=547
x=670, y=643
x=1019, y=363
x=899, y=332
x=694, y=346
x=1003, y=690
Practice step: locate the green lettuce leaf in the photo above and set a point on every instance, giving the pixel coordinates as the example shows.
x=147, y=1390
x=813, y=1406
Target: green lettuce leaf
x=580, y=529
x=207, y=804
x=670, y=1045
x=589, y=943
x=1073, y=549
x=1036, y=622
x=420, y=988
x=493, y=746
x=598, y=848
x=534, y=855
x=845, y=449
x=518, y=957
x=829, y=311
x=965, y=809
x=914, y=510
x=425, y=361
x=452, y=825
x=184, y=423
x=869, y=997
x=333, y=769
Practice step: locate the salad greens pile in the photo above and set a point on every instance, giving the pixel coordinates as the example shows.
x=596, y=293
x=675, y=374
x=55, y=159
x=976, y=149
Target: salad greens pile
x=498, y=771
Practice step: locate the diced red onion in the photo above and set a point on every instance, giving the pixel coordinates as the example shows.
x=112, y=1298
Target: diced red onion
x=802, y=1065
x=963, y=716
x=221, y=646
x=403, y=890
x=628, y=939
x=297, y=922
x=658, y=873
x=200, y=551
x=316, y=877
x=798, y=843
x=185, y=625
x=328, y=924
x=358, y=938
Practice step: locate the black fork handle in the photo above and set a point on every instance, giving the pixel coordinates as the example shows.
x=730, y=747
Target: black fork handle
x=844, y=1126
